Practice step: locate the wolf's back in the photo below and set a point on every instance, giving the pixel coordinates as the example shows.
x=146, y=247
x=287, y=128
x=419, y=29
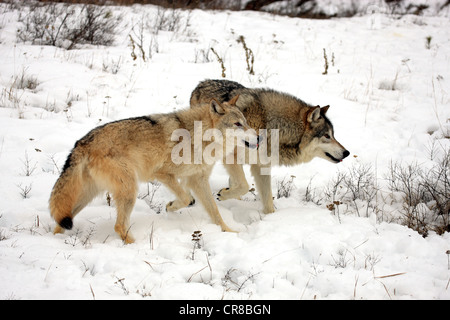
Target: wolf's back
x=221, y=90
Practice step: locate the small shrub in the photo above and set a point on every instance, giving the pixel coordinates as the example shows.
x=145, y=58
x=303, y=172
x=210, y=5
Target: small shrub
x=3, y=235
x=167, y=20
x=285, y=187
x=360, y=183
x=420, y=197
x=428, y=42
x=67, y=26
x=149, y=197
x=220, y=60
x=28, y=166
x=425, y=194
x=326, y=62
x=249, y=56
x=25, y=190
x=197, y=237
x=25, y=81
x=389, y=84
x=202, y=55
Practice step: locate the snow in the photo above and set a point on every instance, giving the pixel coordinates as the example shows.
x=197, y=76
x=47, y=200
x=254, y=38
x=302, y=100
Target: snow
x=303, y=250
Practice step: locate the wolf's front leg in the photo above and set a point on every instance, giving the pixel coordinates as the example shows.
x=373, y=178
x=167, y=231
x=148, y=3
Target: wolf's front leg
x=238, y=183
x=263, y=186
x=183, y=199
x=202, y=190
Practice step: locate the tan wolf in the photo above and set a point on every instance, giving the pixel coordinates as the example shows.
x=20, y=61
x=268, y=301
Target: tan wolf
x=118, y=155
x=304, y=132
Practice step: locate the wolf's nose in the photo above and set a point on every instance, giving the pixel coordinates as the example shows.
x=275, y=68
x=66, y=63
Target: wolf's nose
x=346, y=154
x=258, y=139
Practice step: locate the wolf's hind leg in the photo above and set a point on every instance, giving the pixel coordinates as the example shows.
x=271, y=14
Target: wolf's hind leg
x=238, y=183
x=124, y=192
x=125, y=198
x=125, y=205
x=121, y=181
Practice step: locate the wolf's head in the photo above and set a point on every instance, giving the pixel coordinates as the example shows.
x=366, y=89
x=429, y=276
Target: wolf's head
x=318, y=140
x=228, y=119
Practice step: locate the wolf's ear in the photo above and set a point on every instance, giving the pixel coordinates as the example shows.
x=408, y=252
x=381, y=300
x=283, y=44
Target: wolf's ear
x=324, y=109
x=233, y=101
x=314, y=114
x=216, y=108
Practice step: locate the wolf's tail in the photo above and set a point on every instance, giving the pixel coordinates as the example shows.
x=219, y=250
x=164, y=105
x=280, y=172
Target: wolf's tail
x=67, y=191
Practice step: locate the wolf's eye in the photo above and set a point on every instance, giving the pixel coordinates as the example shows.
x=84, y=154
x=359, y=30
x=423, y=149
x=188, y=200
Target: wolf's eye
x=238, y=124
x=327, y=136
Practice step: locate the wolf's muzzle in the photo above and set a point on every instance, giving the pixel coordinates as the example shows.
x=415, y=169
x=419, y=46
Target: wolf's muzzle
x=345, y=154
x=254, y=145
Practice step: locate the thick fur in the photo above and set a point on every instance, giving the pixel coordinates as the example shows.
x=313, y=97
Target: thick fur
x=118, y=155
x=305, y=131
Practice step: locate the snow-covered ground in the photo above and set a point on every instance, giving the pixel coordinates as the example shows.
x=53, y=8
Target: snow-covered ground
x=389, y=94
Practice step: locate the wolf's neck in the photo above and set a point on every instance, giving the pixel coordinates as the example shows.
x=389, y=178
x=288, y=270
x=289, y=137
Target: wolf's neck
x=192, y=117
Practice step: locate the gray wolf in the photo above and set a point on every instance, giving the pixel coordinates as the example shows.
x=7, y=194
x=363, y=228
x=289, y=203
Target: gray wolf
x=116, y=156
x=304, y=132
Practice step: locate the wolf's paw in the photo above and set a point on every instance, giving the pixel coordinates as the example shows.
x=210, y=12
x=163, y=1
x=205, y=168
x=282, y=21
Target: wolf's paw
x=226, y=228
x=177, y=204
x=269, y=208
x=228, y=193
x=124, y=233
x=172, y=206
x=128, y=239
x=225, y=194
